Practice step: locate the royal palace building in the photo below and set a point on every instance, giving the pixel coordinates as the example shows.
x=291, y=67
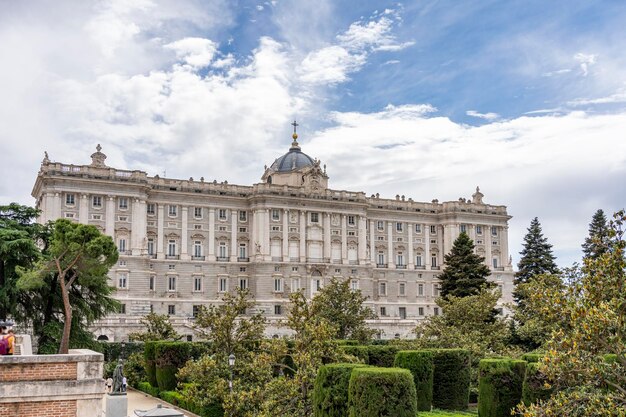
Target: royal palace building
x=184, y=243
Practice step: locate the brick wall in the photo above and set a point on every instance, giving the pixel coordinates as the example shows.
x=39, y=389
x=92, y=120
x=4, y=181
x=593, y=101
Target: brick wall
x=38, y=372
x=63, y=408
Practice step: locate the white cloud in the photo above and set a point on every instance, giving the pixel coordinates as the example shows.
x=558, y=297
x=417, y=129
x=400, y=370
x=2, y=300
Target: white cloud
x=259, y=7
x=586, y=61
x=196, y=52
x=618, y=97
x=330, y=65
x=556, y=72
x=486, y=116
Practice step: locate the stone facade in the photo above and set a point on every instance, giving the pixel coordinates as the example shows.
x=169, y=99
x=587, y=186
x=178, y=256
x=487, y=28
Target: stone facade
x=183, y=243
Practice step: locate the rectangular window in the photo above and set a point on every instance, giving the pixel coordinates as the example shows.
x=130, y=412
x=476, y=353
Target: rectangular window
x=436, y=288
x=380, y=225
x=69, y=215
x=351, y=220
x=221, y=214
x=295, y=284
x=275, y=228
x=171, y=309
x=122, y=263
x=420, y=290
x=122, y=280
x=197, y=212
x=121, y=247
x=171, y=267
x=435, y=311
x=150, y=209
x=243, y=229
x=433, y=259
x=151, y=246
x=172, y=210
x=242, y=251
x=242, y=269
x=197, y=248
x=122, y=308
x=418, y=228
x=420, y=311
x=294, y=269
x=70, y=199
x=278, y=285
x=275, y=214
x=278, y=309
x=479, y=229
x=171, y=248
x=243, y=283
x=399, y=227
x=400, y=259
x=151, y=283
x=402, y=289
x=223, y=285
x=433, y=229
x=96, y=217
x=383, y=311
x=243, y=216
x=463, y=228
x=96, y=201
x=315, y=217
x=381, y=258
x=418, y=260
x=123, y=203
x=122, y=218
x=171, y=283
x=382, y=288
x=197, y=283
x=354, y=285
x=402, y=312
x=494, y=231
x=223, y=250
x=195, y=310
x=494, y=262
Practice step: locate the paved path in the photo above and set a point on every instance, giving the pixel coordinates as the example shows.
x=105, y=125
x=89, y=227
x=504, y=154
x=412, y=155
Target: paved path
x=138, y=400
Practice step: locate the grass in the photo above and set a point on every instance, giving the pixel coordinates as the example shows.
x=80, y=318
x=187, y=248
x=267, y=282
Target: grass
x=441, y=413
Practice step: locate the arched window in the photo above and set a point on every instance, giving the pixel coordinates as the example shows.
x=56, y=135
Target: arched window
x=269, y=179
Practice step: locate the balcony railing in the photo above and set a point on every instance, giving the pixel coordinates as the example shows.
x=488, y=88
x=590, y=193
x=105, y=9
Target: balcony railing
x=498, y=268
x=381, y=265
x=172, y=256
x=198, y=258
x=241, y=259
x=318, y=260
x=223, y=259
x=436, y=267
x=294, y=259
x=400, y=266
x=420, y=267
x=353, y=262
x=277, y=258
x=152, y=255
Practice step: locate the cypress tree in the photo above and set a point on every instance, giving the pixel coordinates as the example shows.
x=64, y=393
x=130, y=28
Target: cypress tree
x=597, y=243
x=465, y=272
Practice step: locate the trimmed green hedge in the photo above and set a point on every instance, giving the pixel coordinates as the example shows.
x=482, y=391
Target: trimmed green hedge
x=499, y=386
x=375, y=392
x=360, y=352
x=169, y=358
x=347, y=342
x=382, y=356
x=420, y=363
x=532, y=357
x=149, y=350
x=533, y=387
x=113, y=350
x=330, y=393
x=451, y=379
x=148, y=389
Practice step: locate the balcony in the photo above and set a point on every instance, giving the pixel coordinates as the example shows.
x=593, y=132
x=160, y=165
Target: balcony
x=400, y=266
x=381, y=265
x=223, y=259
x=435, y=267
x=277, y=258
x=240, y=259
x=353, y=262
x=125, y=252
x=420, y=267
x=197, y=258
x=172, y=256
x=152, y=255
x=294, y=259
x=498, y=268
x=317, y=260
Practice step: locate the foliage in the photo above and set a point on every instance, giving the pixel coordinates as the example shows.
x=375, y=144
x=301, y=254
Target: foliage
x=169, y=358
x=532, y=357
x=79, y=257
x=500, y=386
x=114, y=350
x=343, y=307
x=535, y=386
x=377, y=392
x=149, y=356
x=442, y=413
x=382, y=356
x=597, y=243
x=330, y=395
x=451, y=379
x=465, y=273
x=135, y=369
x=420, y=363
x=158, y=327
x=590, y=322
x=148, y=388
x=359, y=352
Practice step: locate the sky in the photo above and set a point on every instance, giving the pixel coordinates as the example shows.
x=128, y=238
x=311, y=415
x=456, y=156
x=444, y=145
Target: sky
x=427, y=99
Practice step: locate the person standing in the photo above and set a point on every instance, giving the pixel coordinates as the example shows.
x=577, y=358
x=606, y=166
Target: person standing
x=10, y=337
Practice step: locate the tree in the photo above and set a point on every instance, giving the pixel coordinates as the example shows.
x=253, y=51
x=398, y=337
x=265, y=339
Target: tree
x=343, y=307
x=18, y=247
x=585, y=360
x=78, y=256
x=597, y=243
x=158, y=327
x=465, y=272
x=537, y=257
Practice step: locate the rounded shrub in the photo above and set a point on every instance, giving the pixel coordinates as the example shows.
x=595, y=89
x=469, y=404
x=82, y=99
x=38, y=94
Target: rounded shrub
x=532, y=357
x=420, y=364
x=451, y=379
x=534, y=386
x=360, y=352
x=330, y=393
x=375, y=392
x=382, y=356
x=499, y=386
x=170, y=357
x=149, y=349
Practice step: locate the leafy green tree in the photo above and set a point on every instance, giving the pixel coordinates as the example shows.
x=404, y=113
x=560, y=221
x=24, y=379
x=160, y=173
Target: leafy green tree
x=465, y=272
x=597, y=243
x=343, y=307
x=77, y=259
x=537, y=258
x=585, y=361
x=158, y=327
x=18, y=247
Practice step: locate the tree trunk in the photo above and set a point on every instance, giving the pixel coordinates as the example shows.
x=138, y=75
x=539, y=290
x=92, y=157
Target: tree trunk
x=67, y=325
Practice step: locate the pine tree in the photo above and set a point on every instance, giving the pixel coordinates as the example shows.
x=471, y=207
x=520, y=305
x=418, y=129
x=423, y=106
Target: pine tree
x=597, y=243
x=537, y=257
x=465, y=272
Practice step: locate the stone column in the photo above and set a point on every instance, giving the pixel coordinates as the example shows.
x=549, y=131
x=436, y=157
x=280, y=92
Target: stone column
x=56, y=210
x=285, y=242
x=160, y=234
x=391, y=262
x=372, y=242
x=109, y=227
x=471, y=232
x=233, y=236
x=426, y=246
x=139, y=227
x=411, y=255
x=267, y=253
x=327, y=244
x=303, y=235
x=362, y=239
x=440, y=239
x=344, y=240
x=211, y=234
x=83, y=209
x=504, y=246
x=488, y=238
x=184, y=239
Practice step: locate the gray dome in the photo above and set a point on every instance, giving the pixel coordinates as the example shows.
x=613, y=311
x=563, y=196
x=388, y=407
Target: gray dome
x=292, y=160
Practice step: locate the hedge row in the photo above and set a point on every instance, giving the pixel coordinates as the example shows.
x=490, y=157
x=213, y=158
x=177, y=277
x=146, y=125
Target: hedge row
x=420, y=364
x=148, y=388
x=499, y=386
x=113, y=350
x=532, y=357
x=451, y=379
x=149, y=352
x=375, y=355
x=374, y=392
x=169, y=358
x=330, y=393
x=534, y=386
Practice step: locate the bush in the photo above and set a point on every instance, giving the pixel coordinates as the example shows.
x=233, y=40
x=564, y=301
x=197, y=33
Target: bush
x=533, y=387
x=149, y=350
x=532, y=357
x=170, y=357
x=500, y=386
x=347, y=342
x=199, y=349
x=382, y=356
x=330, y=393
x=113, y=350
x=135, y=369
x=172, y=397
x=374, y=392
x=420, y=363
x=148, y=389
x=187, y=403
x=451, y=379
x=361, y=352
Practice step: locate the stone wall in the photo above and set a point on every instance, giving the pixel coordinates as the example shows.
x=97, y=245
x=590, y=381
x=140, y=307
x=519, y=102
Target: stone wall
x=52, y=385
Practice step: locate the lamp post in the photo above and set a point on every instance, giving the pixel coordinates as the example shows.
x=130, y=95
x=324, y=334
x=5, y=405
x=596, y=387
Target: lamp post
x=123, y=349
x=231, y=364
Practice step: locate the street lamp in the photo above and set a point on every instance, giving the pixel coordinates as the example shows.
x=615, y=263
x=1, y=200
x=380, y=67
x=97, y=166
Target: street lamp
x=231, y=364
x=123, y=348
